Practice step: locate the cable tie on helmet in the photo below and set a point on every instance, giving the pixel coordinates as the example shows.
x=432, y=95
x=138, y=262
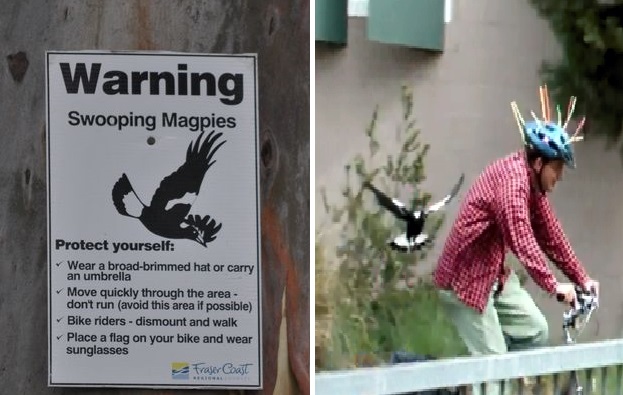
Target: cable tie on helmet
x=521, y=124
x=547, y=119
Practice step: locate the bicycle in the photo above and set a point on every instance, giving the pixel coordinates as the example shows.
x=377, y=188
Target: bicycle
x=587, y=303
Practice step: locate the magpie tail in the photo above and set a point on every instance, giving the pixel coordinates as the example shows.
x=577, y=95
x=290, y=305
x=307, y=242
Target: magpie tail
x=125, y=199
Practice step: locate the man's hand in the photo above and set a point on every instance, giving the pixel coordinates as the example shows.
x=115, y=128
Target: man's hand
x=592, y=286
x=566, y=291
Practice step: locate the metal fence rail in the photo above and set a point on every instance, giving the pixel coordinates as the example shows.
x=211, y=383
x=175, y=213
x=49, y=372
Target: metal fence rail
x=420, y=376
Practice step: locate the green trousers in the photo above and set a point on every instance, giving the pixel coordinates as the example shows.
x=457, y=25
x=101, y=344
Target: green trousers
x=511, y=321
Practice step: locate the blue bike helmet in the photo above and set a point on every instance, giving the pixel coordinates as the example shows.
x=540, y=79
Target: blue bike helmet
x=546, y=137
x=549, y=140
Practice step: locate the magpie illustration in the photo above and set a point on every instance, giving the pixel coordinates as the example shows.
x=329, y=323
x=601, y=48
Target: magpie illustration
x=413, y=239
x=168, y=212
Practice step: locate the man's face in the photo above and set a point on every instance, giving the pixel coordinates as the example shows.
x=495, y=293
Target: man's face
x=551, y=173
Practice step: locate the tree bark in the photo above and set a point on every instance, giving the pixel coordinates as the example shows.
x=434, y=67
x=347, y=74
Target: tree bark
x=278, y=30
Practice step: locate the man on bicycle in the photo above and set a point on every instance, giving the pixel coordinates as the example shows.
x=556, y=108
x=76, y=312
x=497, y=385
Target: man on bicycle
x=507, y=208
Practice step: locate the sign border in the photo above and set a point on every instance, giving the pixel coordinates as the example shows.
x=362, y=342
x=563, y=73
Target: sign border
x=253, y=56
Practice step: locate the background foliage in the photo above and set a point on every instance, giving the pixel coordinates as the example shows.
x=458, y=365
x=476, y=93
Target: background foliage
x=591, y=68
x=368, y=300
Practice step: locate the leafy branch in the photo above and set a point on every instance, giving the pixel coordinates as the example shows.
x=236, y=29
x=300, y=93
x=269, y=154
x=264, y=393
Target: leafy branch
x=376, y=286
x=591, y=36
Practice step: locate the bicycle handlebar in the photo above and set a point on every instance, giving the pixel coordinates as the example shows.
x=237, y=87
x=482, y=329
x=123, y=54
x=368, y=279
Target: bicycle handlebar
x=587, y=302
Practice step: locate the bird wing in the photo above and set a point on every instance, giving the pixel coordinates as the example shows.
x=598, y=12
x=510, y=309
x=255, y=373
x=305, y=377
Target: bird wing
x=182, y=186
x=395, y=206
x=455, y=190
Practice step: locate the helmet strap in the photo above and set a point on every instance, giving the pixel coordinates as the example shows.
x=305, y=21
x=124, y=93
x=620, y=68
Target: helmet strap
x=539, y=182
x=536, y=177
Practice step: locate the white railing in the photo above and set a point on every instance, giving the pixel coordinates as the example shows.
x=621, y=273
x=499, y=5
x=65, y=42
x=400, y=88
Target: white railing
x=420, y=376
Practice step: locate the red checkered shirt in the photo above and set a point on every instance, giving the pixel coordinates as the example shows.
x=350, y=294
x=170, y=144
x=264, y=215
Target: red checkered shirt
x=503, y=211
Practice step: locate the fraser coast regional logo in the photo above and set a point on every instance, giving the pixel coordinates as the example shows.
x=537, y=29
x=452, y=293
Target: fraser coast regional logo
x=179, y=370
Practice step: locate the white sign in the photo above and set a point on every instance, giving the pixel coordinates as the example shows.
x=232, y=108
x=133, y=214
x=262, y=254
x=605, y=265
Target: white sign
x=153, y=220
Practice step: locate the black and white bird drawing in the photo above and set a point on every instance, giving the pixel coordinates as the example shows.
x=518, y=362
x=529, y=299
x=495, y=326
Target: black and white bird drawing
x=167, y=215
x=414, y=239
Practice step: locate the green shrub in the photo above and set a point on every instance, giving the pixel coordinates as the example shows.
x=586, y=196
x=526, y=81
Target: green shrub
x=591, y=67
x=374, y=305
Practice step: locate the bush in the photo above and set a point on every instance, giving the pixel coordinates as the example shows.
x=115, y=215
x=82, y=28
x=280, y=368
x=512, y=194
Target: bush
x=368, y=302
x=591, y=68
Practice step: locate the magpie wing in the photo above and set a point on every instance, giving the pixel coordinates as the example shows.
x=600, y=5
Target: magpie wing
x=455, y=190
x=182, y=186
x=395, y=206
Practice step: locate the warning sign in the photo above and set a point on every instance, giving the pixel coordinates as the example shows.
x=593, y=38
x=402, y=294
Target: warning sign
x=153, y=220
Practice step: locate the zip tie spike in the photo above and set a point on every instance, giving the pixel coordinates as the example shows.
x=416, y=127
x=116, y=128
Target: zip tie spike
x=537, y=120
x=542, y=99
x=547, y=116
x=517, y=112
x=570, y=110
x=580, y=126
x=520, y=122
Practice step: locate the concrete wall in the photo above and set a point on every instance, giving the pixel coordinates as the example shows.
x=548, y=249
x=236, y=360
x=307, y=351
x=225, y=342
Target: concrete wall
x=462, y=104
x=278, y=30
